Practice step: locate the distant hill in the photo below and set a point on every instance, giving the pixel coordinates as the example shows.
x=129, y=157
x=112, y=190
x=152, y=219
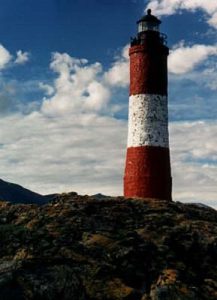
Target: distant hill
x=15, y=193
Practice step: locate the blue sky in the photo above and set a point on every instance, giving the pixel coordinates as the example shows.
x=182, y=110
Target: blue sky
x=64, y=93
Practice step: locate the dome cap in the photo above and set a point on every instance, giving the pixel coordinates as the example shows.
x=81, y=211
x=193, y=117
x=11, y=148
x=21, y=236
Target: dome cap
x=149, y=18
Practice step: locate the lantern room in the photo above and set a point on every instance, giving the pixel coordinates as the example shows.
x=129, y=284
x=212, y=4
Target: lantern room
x=148, y=23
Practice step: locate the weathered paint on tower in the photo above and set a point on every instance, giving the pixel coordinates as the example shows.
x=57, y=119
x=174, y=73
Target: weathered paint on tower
x=147, y=171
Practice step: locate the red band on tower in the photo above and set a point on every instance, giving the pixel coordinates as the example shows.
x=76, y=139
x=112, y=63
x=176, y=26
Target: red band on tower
x=146, y=65
x=147, y=173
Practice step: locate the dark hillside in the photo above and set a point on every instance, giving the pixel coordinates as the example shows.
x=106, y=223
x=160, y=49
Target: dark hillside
x=15, y=193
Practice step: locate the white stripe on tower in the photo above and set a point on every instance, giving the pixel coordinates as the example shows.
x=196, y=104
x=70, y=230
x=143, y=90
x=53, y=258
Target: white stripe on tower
x=148, y=121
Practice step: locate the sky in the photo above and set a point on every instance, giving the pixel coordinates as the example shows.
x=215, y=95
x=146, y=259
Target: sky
x=64, y=81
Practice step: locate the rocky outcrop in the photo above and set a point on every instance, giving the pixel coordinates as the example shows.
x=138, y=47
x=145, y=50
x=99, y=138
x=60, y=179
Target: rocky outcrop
x=82, y=248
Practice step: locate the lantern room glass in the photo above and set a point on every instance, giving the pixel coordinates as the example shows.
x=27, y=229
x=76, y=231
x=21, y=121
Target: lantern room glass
x=145, y=26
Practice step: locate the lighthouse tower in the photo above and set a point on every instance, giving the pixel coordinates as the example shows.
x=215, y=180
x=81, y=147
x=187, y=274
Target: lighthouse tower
x=147, y=170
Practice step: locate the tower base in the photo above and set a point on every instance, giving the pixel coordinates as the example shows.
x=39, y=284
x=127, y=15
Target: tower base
x=147, y=173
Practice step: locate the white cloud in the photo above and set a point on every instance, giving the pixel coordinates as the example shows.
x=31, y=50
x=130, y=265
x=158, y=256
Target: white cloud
x=118, y=74
x=81, y=87
x=213, y=20
x=183, y=58
x=22, y=57
x=48, y=89
x=78, y=87
x=169, y=7
x=5, y=57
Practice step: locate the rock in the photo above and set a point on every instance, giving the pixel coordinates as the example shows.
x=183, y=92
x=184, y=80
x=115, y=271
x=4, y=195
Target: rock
x=168, y=286
x=93, y=248
x=112, y=289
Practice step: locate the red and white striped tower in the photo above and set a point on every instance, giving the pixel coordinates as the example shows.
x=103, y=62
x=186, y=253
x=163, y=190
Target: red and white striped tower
x=147, y=171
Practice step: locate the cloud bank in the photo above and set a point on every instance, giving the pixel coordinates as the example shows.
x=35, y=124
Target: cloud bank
x=86, y=153
x=82, y=153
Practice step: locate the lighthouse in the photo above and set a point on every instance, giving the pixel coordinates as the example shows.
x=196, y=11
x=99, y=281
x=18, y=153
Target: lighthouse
x=147, y=169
